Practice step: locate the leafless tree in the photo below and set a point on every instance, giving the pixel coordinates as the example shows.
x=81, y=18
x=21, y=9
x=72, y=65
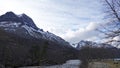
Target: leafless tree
x=112, y=28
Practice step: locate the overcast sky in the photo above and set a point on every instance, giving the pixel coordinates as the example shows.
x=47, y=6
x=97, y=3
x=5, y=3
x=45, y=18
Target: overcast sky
x=73, y=20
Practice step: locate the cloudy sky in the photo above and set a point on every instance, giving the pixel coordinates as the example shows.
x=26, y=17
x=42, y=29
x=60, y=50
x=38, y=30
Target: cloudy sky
x=73, y=20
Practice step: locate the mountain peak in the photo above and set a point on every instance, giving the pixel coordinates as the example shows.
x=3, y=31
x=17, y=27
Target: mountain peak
x=27, y=20
x=22, y=18
x=9, y=16
x=12, y=14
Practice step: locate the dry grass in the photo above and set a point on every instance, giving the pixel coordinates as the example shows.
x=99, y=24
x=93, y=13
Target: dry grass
x=113, y=64
x=104, y=64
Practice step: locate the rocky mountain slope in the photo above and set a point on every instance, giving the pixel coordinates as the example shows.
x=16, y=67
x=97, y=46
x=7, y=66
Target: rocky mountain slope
x=22, y=43
x=23, y=26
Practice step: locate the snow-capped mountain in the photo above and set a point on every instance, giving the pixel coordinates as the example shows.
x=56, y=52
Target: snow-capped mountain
x=83, y=43
x=20, y=37
x=23, y=26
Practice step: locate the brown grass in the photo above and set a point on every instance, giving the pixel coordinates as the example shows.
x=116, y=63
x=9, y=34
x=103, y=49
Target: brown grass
x=104, y=64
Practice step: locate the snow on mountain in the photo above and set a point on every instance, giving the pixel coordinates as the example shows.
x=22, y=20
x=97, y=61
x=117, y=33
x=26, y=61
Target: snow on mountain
x=17, y=23
x=23, y=19
x=83, y=43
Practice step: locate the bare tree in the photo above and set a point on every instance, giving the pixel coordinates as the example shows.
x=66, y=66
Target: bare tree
x=112, y=28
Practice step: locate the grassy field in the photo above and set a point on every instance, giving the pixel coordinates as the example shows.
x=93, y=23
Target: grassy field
x=104, y=64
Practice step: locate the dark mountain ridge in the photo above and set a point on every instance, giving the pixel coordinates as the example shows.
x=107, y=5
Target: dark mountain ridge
x=23, y=26
x=23, y=18
x=22, y=43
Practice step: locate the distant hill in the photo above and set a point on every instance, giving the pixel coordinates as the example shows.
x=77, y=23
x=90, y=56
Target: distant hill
x=92, y=44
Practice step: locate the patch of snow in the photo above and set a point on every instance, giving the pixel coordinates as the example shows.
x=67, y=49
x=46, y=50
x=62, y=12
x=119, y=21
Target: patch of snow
x=30, y=31
x=20, y=15
x=10, y=24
